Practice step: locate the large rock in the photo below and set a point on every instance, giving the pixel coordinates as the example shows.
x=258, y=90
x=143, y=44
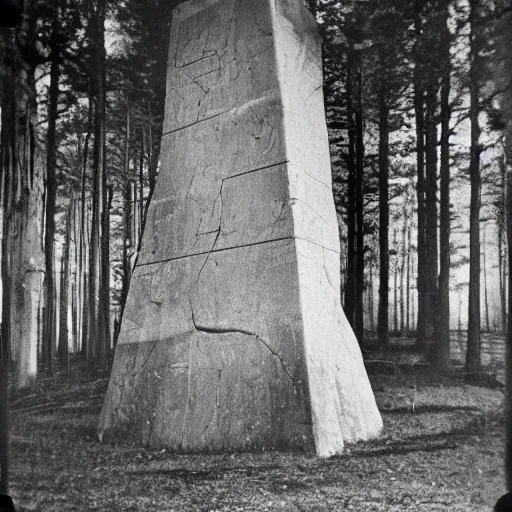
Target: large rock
x=233, y=335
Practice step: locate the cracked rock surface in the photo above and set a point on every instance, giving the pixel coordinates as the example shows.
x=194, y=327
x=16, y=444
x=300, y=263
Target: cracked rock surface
x=233, y=336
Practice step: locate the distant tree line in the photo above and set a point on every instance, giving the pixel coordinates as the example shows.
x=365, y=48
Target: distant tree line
x=411, y=106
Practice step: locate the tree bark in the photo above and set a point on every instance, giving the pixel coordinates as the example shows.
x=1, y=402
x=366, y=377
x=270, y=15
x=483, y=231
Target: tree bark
x=350, y=285
x=23, y=258
x=312, y=4
x=395, y=282
x=501, y=249
x=64, y=291
x=473, y=354
x=383, y=321
x=442, y=353
x=127, y=225
x=506, y=79
x=431, y=245
x=359, y=207
x=508, y=362
x=408, y=284
x=22, y=254
x=49, y=330
x=4, y=424
x=421, y=336
x=486, y=291
x=82, y=258
x=99, y=309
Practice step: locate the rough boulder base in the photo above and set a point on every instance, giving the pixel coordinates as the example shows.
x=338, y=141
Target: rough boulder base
x=233, y=335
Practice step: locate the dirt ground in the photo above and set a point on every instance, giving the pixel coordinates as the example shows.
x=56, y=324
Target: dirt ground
x=441, y=449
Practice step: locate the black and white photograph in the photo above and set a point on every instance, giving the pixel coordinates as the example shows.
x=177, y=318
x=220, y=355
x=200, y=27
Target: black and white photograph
x=255, y=255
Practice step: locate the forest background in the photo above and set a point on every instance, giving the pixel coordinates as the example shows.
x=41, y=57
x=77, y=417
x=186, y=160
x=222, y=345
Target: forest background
x=418, y=164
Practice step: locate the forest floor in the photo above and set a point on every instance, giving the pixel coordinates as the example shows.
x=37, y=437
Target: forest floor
x=441, y=449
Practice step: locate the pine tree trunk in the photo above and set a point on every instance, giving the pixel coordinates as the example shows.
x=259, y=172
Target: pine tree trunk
x=105, y=272
x=64, y=292
x=402, y=274
x=141, y=188
x=508, y=362
x=127, y=224
x=460, y=315
x=153, y=154
x=82, y=258
x=4, y=424
x=359, y=210
x=383, y=322
x=370, y=297
x=506, y=78
x=431, y=239
x=49, y=330
x=502, y=250
x=473, y=354
x=413, y=313
x=442, y=352
x=98, y=325
x=75, y=299
x=136, y=219
x=395, y=282
x=420, y=187
x=22, y=255
x=408, y=284
x=312, y=4
x=93, y=330
x=350, y=285
x=501, y=262
x=486, y=294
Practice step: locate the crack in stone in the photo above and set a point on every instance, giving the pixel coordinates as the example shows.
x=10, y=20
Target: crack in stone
x=194, y=79
x=206, y=54
x=219, y=197
x=317, y=244
x=294, y=200
x=138, y=372
x=313, y=92
x=218, y=230
x=229, y=330
x=277, y=164
x=213, y=116
x=188, y=40
x=326, y=272
x=279, y=239
x=203, y=214
x=176, y=258
x=206, y=232
x=316, y=179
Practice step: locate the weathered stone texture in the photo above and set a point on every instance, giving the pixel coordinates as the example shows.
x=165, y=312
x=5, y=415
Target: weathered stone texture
x=233, y=335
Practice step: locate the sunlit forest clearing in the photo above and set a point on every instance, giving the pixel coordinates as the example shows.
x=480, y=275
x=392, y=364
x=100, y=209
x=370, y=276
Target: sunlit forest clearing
x=415, y=101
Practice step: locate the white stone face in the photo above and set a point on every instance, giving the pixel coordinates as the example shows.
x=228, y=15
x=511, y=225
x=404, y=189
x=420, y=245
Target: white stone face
x=233, y=336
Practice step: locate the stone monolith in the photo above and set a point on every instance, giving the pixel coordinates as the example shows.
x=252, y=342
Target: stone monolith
x=233, y=335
